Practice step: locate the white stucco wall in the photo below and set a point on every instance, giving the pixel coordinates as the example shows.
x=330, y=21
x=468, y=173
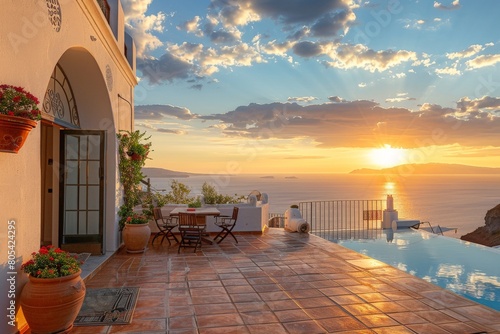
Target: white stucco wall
x=30, y=48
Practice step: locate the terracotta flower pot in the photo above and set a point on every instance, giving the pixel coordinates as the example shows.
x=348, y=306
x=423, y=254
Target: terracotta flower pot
x=51, y=305
x=136, y=237
x=13, y=132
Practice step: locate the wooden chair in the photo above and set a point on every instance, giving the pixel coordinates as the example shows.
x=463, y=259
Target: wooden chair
x=226, y=223
x=191, y=232
x=165, y=226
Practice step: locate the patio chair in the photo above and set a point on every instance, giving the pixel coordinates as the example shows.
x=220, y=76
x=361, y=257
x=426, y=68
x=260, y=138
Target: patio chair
x=191, y=232
x=226, y=223
x=165, y=226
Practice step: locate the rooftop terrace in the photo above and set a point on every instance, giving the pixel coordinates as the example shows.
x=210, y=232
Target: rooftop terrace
x=281, y=282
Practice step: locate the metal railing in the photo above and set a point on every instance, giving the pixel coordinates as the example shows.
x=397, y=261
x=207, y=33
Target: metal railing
x=344, y=219
x=105, y=8
x=276, y=220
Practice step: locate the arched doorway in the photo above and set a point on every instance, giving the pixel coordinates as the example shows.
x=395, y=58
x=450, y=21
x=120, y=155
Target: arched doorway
x=73, y=154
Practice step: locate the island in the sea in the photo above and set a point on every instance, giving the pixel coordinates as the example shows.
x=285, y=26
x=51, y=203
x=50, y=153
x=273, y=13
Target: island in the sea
x=430, y=168
x=161, y=172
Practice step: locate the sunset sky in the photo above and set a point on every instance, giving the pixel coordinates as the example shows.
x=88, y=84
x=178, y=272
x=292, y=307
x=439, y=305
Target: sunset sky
x=316, y=86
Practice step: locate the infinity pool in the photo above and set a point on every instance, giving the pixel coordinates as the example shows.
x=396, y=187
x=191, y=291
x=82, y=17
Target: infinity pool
x=467, y=269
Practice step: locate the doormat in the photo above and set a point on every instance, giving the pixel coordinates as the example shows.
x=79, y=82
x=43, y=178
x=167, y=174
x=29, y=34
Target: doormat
x=110, y=306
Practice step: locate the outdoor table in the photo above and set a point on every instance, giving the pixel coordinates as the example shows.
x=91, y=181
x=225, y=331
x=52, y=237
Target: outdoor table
x=201, y=214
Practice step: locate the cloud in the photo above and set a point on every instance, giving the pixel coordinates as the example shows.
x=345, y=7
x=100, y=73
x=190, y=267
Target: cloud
x=365, y=123
x=325, y=18
x=158, y=112
x=424, y=25
x=192, y=26
x=483, y=61
x=140, y=26
x=167, y=68
x=469, y=52
x=307, y=49
x=347, y=56
x=400, y=98
x=335, y=99
x=333, y=24
x=454, y=5
x=155, y=128
x=306, y=99
x=451, y=70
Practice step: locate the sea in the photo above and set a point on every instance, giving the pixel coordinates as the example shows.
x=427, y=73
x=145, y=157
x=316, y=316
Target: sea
x=457, y=203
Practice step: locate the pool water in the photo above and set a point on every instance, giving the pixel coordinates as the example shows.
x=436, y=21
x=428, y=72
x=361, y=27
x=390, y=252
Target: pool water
x=467, y=269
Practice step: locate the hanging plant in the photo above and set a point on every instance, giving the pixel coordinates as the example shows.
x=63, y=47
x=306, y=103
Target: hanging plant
x=133, y=149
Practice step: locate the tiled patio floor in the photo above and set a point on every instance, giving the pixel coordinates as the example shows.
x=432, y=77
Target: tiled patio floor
x=281, y=282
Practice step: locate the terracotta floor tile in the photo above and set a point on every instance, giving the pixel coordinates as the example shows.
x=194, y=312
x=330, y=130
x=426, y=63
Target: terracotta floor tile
x=373, y=297
x=393, y=330
x=267, y=287
x=315, y=302
x=225, y=330
x=219, y=320
x=267, y=329
x=407, y=318
x=186, y=322
x=291, y=315
x=275, y=295
x=260, y=317
x=223, y=308
x=307, y=293
x=280, y=282
x=389, y=307
x=377, y=320
x=428, y=328
x=341, y=324
x=326, y=312
x=245, y=297
x=361, y=308
x=239, y=289
x=285, y=304
x=252, y=307
x=300, y=327
x=211, y=299
x=180, y=310
x=346, y=299
x=141, y=326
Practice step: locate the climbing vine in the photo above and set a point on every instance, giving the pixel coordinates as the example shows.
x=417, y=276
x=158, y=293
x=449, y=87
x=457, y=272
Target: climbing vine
x=133, y=149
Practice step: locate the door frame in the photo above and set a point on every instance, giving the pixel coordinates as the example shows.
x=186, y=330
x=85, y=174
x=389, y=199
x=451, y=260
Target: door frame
x=92, y=243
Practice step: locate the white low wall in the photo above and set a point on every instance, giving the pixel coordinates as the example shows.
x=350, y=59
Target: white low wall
x=251, y=218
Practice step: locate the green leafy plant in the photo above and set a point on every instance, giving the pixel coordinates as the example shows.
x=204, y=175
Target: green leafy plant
x=195, y=204
x=131, y=170
x=211, y=196
x=179, y=193
x=51, y=262
x=15, y=101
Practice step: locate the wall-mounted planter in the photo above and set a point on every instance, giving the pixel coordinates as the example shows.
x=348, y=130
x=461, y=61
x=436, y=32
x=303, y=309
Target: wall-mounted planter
x=13, y=132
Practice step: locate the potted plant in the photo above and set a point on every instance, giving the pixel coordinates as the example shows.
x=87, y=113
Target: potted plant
x=19, y=114
x=54, y=293
x=136, y=233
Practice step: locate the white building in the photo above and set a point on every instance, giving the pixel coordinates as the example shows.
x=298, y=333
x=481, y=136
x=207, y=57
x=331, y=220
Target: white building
x=62, y=187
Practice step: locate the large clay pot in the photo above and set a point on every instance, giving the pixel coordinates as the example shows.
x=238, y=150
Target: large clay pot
x=13, y=132
x=51, y=305
x=136, y=237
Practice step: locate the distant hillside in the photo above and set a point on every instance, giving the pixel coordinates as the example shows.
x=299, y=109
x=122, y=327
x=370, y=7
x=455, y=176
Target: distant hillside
x=431, y=168
x=161, y=172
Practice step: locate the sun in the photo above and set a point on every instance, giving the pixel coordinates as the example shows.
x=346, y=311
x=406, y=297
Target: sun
x=387, y=156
